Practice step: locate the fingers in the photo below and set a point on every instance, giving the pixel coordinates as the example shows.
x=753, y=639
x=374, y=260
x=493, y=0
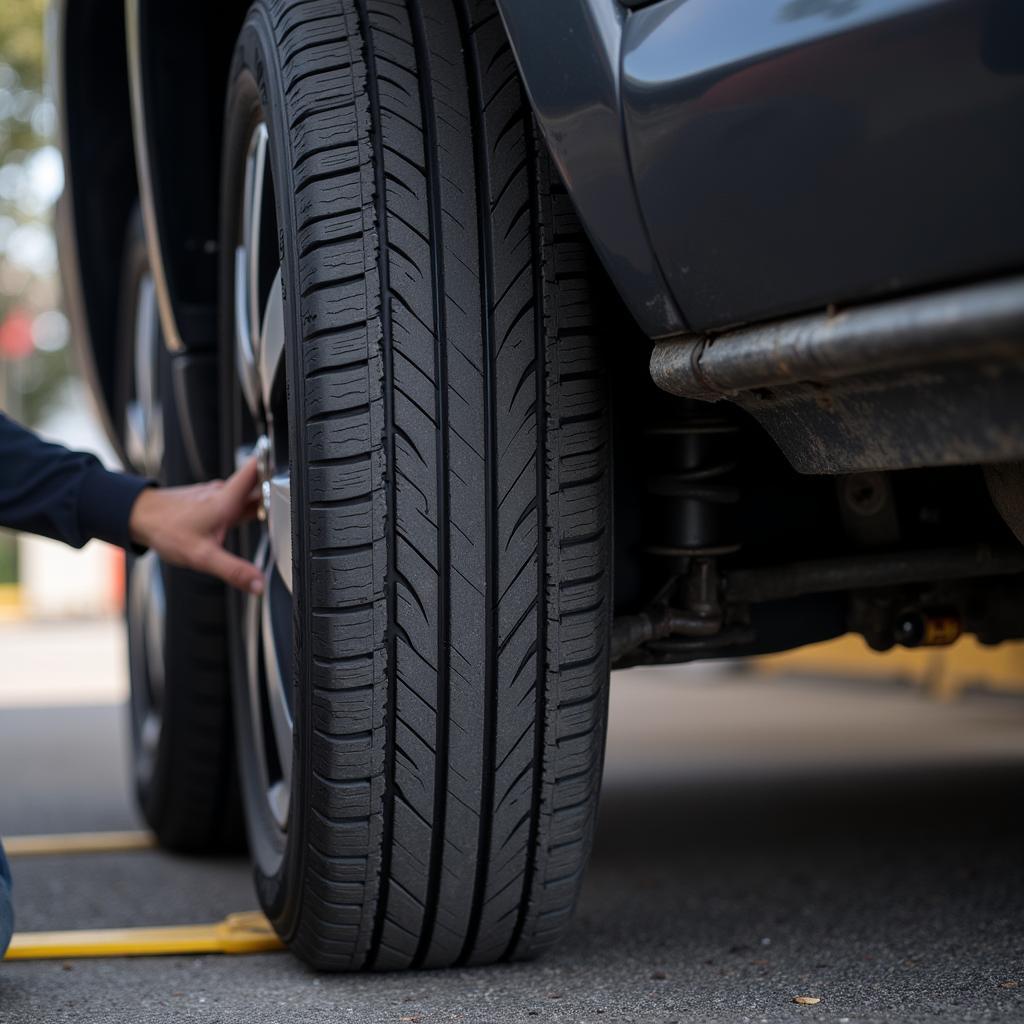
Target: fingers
x=239, y=490
x=231, y=569
x=252, y=505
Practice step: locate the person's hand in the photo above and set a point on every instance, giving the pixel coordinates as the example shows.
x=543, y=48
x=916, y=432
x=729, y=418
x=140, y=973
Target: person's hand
x=186, y=526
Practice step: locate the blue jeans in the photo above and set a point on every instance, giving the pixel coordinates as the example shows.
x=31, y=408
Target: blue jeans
x=6, y=911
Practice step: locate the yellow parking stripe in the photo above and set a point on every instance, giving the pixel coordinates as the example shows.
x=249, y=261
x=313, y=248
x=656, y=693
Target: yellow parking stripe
x=248, y=932
x=78, y=842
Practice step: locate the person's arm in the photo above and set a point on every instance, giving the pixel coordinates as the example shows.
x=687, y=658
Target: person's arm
x=54, y=492
x=69, y=496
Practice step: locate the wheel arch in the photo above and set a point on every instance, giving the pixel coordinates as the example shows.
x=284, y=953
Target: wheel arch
x=569, y=56
x=139, y=88
x=89, y=81
x=177, y=58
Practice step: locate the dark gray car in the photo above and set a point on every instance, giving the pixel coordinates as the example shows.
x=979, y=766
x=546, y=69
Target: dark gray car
x=568, y=336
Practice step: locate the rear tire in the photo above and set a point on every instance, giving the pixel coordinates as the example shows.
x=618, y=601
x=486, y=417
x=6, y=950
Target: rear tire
x=182, y=741
x=449, y=488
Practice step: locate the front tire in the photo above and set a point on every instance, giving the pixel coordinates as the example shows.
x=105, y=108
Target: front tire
x=446, y=458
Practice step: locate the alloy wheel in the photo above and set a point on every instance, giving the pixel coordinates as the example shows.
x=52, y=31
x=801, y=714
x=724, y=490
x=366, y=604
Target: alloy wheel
x=261, y=429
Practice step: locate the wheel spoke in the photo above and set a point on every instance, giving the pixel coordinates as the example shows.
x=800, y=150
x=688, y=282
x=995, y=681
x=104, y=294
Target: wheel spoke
x=245, y=359
x=269, y=676
x=146, y=339
x=143, y=419
x=149, y=734
x=247, y=271
x=252, y=633
x=279, y=516
x=252, y=218
x=271, y=352
x=279, y=798
x=147, y=625
x=277, y=680
x=155, y=629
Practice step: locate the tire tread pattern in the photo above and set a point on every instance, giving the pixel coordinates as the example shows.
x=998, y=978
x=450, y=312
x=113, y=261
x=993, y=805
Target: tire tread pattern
x=457, y=471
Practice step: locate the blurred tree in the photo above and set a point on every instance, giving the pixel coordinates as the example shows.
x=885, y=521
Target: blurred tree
x=27, y=278
x=27, y=382
x=21, y=75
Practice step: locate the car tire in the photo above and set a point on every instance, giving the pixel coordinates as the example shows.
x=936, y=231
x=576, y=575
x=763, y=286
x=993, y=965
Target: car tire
x=421, y=691
x=183, y=761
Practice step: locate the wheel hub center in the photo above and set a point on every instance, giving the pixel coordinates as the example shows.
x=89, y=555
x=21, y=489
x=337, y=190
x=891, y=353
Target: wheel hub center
x=263, y=468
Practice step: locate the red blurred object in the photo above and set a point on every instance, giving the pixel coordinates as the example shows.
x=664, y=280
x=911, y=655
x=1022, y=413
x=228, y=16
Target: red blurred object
x=16, y=335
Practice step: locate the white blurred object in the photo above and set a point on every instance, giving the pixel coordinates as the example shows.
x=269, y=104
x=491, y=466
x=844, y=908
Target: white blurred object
x=50, y=663
x=70, y=422
x=58, y=581
x=50, y=331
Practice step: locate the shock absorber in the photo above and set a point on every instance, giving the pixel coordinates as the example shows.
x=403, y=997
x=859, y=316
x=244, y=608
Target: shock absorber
x=692, y=498
x=692, y=488
x=689, y=522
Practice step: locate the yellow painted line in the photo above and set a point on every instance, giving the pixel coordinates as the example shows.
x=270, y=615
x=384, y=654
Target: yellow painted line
x=248, y=932
x=78, y=842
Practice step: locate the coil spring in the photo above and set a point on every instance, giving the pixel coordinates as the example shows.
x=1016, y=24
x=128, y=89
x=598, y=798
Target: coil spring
x=692, y=489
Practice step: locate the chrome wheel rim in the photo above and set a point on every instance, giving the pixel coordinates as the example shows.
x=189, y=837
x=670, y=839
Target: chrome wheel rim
x=262, y=430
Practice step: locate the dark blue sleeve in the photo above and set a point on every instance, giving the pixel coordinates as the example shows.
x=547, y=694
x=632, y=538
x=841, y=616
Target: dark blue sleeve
x=54, y=492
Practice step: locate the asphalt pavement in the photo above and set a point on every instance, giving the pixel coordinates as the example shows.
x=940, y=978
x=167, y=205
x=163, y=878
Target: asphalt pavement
x=760, y=839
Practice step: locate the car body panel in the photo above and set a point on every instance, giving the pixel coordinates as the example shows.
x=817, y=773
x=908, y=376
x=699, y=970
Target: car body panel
x=731, y=160
x=568, y=53
x=789, y=154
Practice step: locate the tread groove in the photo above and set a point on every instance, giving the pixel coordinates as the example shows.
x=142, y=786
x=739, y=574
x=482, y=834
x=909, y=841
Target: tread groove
x=391, y=589
x=435, y=219
x=484, y=242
